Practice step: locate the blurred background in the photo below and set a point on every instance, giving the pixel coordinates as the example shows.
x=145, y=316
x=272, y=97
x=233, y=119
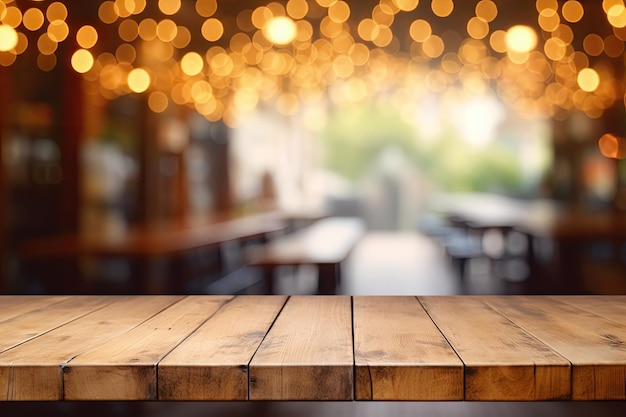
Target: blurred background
x=481, y=143
x=147, y=145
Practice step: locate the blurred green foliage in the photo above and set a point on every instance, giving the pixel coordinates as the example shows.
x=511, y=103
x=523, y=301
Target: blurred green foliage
x=355, y=137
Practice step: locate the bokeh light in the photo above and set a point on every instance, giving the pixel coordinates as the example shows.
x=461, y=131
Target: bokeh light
x=520, y=38
x=280, y=30
x=138, y=80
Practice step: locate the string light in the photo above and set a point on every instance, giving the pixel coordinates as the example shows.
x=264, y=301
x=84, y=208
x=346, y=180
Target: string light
x=221, y=61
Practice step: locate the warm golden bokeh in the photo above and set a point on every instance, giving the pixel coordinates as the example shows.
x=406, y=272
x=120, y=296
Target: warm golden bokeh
x=276, y=51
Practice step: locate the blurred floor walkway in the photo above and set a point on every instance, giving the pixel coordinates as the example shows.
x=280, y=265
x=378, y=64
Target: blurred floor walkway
x=409, y=263
x=404, y=263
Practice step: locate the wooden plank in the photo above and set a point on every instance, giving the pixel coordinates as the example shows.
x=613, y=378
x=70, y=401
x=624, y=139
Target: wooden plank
x=212, y=364
x=596, y=346
x=502, y=361
x=125, y=367
x=15, y=305
x=33, y=370
x=610, y=307
x=307, y=354
x=400, y=354
x=39, y=320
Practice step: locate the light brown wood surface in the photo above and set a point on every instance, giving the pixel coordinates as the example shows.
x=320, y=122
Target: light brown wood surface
x=612, y=308
x=502, y=361
x=400, y=354
x=43, y=318
x=33, y=370
x=319, y=348
x=595, y=345
x=307, y=354
x=212, y=363
x=15, y=305
x=127, y=364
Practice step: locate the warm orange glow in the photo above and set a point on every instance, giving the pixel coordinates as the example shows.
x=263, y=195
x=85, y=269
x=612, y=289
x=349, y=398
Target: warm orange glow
x=611, y=146
x=593, y=44
x=87, y=36
x=56, y=11
x=82, y=61
x=486, y=10
x=138, y=80
x=169, y=7
x=12, y=17
x=192, y=63
x=128, y=30
x=617, y=15
x=8, y=38
x=545, y=70
x=420, y=30
x=58, y=30
x=106, y=12
x=588, y=79
x=477, y=28
x=297, y=9
x=158, y=101
x=339, y=12
x=442, y=8
x=212, y=29
x=148, y=29
x=33, y=19
x=183, y=37
x=206, y=8
x=46, y=45
x=549, y=20
x=167, y=30
x=280, y=30
x=497, y=41
x=572, y=11
x=521, y=39
x=406, y=5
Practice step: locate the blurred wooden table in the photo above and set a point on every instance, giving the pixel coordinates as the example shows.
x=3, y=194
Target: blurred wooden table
x=322, y=348
x=160, y=241
x=571, y=231
x=325, y=244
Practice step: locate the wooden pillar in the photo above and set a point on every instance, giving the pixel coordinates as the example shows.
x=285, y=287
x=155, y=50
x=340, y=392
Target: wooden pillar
x=4, y=89
x=220, y=169
x=71, y=131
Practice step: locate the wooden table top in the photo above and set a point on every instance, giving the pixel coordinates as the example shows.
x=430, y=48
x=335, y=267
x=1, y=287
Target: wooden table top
x=159, y=239
x=436, y=348
x=537, y=218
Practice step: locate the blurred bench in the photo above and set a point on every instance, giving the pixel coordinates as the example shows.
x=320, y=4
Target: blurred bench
x=183, y=250
x=325, y=244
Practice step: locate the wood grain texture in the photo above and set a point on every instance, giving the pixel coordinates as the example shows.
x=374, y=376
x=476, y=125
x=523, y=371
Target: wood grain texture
x=612, y=308
x=33, y=370
x=502, y=361
x=307, y=354
x=15, y=305
x=125, y=367
x=595, y=345
x=212, y=364
x=400, y=354
x=44, y=317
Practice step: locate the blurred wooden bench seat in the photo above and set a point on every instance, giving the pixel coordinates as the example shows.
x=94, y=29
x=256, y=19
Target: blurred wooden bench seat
x=326, y=244
x=315, y=348
x=175, y=242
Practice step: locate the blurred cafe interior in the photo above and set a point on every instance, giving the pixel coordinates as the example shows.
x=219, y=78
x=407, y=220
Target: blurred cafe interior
x=480, y=143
